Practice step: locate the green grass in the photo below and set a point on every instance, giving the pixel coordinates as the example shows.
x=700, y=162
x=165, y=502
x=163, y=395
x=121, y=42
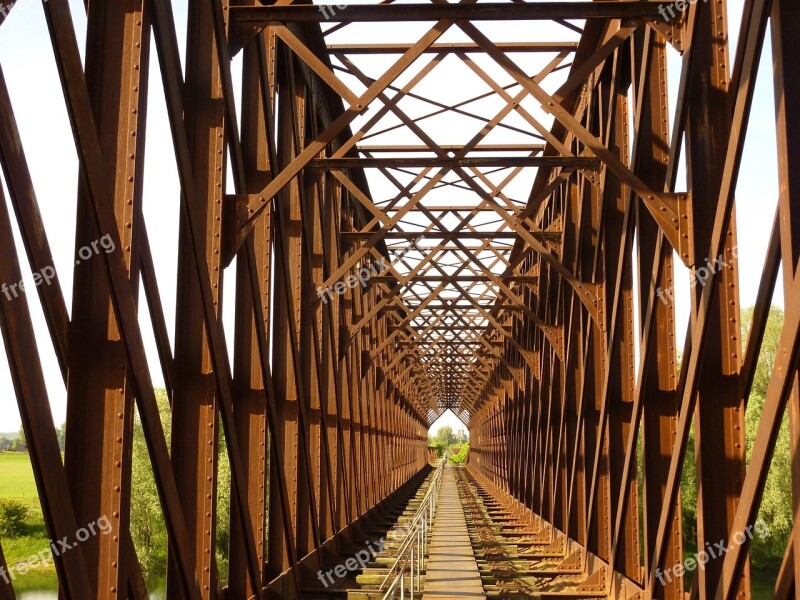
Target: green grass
x=16, y=477
x=17, y=482
x=762, y=581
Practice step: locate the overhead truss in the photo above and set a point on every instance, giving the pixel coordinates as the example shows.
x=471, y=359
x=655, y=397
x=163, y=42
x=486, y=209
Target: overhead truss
x=421, y=207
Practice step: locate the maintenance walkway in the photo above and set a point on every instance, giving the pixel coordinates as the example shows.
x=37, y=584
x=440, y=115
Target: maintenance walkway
x=452, y=572
x=483, y=544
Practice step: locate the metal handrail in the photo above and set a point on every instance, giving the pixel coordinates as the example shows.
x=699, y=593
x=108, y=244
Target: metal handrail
x=413, y=549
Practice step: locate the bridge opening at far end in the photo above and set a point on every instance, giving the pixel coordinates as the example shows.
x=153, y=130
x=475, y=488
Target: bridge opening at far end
x=455, y=299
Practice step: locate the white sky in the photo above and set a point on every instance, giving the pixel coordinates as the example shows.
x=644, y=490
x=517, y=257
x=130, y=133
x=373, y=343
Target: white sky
x=448, y=419
x=27, y=60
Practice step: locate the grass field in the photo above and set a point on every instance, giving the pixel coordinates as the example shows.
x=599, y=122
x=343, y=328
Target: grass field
x=16, y=481
x=762, y=581
x=762, y=584
x=16, y=477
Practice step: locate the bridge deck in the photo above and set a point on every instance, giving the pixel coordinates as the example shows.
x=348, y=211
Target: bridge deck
x=451, y=571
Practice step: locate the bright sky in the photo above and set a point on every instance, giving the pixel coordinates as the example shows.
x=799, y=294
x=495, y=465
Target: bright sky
x=27, y=61
x=448, y=419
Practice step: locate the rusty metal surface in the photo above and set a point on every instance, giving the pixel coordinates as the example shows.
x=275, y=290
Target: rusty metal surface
x=404, y=247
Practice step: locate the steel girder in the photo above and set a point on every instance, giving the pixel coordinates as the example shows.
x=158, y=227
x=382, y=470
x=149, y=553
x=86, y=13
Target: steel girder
x=381, y=282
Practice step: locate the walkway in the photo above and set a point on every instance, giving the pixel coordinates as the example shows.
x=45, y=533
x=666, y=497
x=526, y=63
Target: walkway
x=452, y=572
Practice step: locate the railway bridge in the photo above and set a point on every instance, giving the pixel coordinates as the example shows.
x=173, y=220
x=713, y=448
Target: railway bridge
x=302, y=232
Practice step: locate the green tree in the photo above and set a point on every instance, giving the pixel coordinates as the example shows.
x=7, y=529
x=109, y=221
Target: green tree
x=148, y=528
x=769, y=347
x=445, y=435
x=776, y=506
x=223, y=509
x=688, y=496
x=61, y=433
x=689, y=492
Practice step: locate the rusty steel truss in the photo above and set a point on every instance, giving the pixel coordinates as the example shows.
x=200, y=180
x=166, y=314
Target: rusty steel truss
x=400, y=246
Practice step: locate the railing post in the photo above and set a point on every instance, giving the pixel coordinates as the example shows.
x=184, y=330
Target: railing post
x=412, y=573
x=421, y=559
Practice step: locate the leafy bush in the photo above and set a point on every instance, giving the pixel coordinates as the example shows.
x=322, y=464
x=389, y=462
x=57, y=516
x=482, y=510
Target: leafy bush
x=148, y=528
x=769, y=543
x=13, y=517
x=433, y=444
x=461, y=457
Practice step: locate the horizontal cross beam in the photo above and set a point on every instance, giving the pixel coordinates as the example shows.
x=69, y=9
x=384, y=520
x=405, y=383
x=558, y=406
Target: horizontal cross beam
x=451, y=48
x=373, y=148
x=447, y=235
x=447, y=162
x=489, y=11
x=455, y=278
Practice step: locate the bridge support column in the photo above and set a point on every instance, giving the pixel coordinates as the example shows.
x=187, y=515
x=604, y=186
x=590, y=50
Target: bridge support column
x=99, y=433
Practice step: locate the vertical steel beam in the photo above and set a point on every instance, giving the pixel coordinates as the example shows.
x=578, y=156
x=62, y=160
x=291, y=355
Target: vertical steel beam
x=287, y=215
x=719, y=419
x=658, y=385
x=37, y=419
x=785, y=48
x=251, y=392
x=310, y=336
x=659, y=380
x=195, y=431
x=6, y=589
x=99, y=399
